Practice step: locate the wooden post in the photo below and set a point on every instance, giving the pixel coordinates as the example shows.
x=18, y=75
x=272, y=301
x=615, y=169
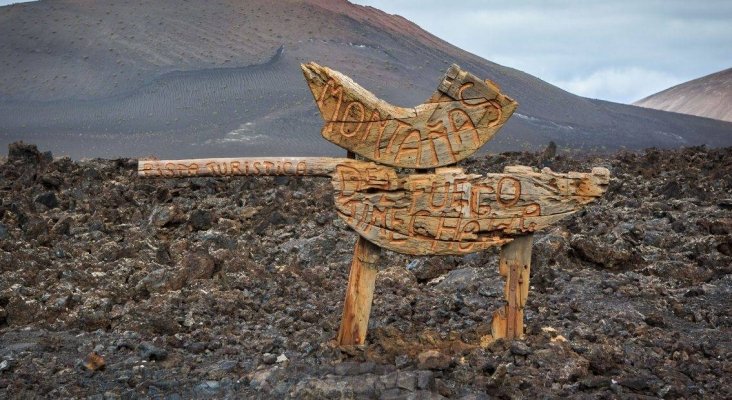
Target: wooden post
x=515, y=266
x=359, y=293
x=360, y=290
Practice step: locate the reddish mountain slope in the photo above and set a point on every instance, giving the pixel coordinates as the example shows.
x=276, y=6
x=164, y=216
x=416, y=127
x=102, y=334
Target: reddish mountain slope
x=709, y=96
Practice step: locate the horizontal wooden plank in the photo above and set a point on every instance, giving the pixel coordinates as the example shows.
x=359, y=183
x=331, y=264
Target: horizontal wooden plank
x=251, y=166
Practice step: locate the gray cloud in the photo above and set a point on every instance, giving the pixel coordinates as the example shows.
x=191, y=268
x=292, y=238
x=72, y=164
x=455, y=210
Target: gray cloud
x=614, y=50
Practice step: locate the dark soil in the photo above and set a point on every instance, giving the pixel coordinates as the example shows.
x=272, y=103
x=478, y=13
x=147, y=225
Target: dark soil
x=117, y=287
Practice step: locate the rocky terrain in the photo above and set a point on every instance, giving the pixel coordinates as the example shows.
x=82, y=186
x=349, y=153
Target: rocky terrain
x=116, y=287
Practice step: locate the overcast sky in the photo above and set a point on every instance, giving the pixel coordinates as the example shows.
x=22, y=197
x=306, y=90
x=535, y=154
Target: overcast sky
x=619, y=50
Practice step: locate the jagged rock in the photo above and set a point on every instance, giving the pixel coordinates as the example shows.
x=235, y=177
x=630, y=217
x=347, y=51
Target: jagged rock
x=109, y=251
x=5, y=365
x=62, y=226
x=198, y=266
x=162, y=280
x=353, y=368
x=725, y=247
x=609, y=255
x=433, y=359
x=200, y=219
x=35, y=227
x=149, y=351
x=164, y=215
x=26, y=153
x=520, y=348
x=52, y=181
x=48, y=199
x=426, y=269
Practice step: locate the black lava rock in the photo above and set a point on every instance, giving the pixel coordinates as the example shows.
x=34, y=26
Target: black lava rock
x=26, y=153
x=200, y=219
x=48, y=199
x=149, y=351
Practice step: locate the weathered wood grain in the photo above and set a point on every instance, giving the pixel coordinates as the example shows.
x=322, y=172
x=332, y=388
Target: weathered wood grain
x=460, y=117
x=515, y=266
x=450, y=212
x=359, y=293
x=246, y=166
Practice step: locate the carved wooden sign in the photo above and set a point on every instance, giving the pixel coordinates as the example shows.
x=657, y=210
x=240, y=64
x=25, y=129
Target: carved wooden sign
x=460, y=117
x=441, y=211
x=445, y=212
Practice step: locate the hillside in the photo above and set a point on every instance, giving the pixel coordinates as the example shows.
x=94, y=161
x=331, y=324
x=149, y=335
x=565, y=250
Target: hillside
x=709, y=96
x=205, y=78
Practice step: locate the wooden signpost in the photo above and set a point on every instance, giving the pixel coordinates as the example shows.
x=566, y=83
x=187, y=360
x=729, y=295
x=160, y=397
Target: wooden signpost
x=438, y=209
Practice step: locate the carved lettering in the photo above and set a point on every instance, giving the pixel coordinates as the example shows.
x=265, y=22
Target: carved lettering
x=531, y=210
x=287, y=168
x=170, y=169
x=224, y=168
x=400, y=125
x=459, y=120
x=439, y=132
x=516, y=195
x=452, y=231
x=350, y=180
x=470, y=227
x=464, y=114
x=413, y=140
x=350, y=108
x=235, y=168
x=464, y=101
x=496, y=120
x=413, y=220
x=478, y=195
x=302, y=168
x=460, y=200
x=417, y=185
x=335, y=91
x=445, y=212
x=395, y=224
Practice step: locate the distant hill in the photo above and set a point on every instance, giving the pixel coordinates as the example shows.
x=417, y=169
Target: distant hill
x=222, y=78
x=709, y=96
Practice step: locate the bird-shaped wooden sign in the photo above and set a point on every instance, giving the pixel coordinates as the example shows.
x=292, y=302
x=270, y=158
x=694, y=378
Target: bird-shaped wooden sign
x=460, y=117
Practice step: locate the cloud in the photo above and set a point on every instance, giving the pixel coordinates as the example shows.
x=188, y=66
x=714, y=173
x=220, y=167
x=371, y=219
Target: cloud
x=623, y=85
x=621, y=50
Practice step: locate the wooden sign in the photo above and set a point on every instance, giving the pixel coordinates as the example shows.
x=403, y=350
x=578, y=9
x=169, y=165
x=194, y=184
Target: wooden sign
x=460, y=117
x=441, y=211
x=445, y=212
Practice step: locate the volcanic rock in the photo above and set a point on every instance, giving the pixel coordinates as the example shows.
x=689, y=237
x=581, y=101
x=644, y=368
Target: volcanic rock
x=48, y=199
x=433, y=359
x=635, y=286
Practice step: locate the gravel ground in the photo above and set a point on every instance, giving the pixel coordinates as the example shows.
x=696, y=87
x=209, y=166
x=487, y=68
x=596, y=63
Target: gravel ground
x=116, y=287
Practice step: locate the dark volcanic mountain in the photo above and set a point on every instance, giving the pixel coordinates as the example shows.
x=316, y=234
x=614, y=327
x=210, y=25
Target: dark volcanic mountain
x=709, y=96
x=205, y=78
